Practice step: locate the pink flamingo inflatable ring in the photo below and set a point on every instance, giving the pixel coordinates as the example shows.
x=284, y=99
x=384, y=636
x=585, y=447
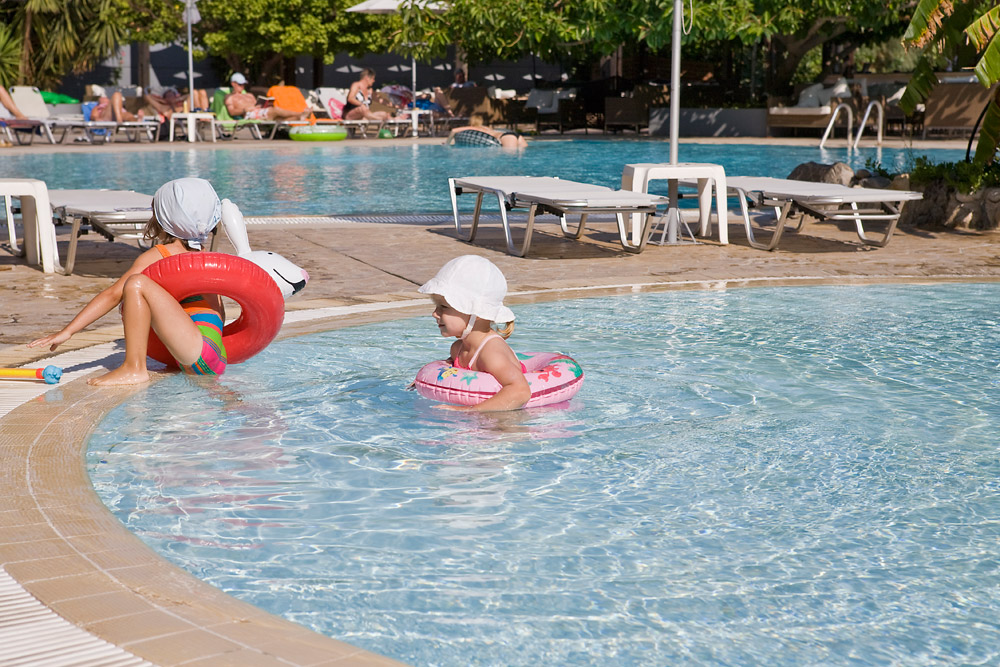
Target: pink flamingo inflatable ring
x=259, y=281
x=553, y=378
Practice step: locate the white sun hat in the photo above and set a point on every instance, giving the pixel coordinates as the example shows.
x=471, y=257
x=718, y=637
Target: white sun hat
x=188, y=208
x=472, y=285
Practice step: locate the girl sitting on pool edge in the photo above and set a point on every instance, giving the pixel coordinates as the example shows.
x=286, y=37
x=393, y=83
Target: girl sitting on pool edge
x=185, y=211
x=468, y=295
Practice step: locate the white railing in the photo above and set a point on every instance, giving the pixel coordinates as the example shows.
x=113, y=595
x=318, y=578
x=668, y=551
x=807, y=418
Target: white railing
x=833, y=120
x=864, y=122
x=850, y=123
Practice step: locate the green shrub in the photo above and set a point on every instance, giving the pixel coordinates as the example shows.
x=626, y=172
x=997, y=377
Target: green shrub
x=965, y=177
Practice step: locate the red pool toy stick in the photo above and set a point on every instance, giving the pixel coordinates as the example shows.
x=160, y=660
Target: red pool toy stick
x=239, y=279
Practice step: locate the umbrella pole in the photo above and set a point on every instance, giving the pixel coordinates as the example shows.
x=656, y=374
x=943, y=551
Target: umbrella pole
x=674, y=213
x=190, y=59
x=413, y=89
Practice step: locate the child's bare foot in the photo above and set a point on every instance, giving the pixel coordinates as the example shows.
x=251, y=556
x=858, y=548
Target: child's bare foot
x=120, y=376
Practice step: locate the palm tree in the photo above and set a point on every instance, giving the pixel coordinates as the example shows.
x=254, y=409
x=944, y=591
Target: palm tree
x=939, y=26
x=55, y=37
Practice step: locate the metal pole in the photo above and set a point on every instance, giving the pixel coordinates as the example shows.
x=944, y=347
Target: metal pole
x=190, y=58
x=674, y=213
x=675, y=80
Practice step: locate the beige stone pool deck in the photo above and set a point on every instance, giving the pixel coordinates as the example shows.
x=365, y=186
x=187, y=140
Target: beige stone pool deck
x=66, y=550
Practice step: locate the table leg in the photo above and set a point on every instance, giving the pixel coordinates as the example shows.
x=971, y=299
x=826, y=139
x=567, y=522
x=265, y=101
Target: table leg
x=633, y=178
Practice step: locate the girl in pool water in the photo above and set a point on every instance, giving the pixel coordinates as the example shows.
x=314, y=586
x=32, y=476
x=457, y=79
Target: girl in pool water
x=468, y=297
x=185, y=211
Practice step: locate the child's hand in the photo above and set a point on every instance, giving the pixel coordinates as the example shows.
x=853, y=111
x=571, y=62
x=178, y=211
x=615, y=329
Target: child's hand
x=448, y=406
x=53, y=340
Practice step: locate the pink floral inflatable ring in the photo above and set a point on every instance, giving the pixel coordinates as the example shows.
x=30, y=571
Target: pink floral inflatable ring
x=553, y=378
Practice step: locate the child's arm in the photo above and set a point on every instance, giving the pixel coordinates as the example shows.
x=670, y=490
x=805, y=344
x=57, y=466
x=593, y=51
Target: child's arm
x=99, y=306
x=500, y=362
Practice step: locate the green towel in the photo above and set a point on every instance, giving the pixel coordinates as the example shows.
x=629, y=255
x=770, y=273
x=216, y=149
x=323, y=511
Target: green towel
x=58, y=98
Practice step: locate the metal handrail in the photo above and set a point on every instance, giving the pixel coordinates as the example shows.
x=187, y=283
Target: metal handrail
x=864, y=121
x=833, y=119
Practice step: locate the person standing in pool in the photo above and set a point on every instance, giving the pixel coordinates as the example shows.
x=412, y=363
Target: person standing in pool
x=185, y=211
x=468, y=295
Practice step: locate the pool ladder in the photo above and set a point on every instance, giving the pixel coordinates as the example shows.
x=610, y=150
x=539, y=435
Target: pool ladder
x=850, y=123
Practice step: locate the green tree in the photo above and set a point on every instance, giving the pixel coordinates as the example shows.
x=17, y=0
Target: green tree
x=257, y=36
x=940, y=27
x=555, y=30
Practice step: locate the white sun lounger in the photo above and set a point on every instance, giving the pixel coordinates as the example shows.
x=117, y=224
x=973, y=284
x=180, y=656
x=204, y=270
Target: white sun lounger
x=114, y=214
x=29, y=101
x=540, y=194
x=826, y=201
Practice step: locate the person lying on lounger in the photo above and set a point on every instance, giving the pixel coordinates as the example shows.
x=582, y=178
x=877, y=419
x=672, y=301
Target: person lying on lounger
x=170, y=101
x=242, y=104
x=113, y=108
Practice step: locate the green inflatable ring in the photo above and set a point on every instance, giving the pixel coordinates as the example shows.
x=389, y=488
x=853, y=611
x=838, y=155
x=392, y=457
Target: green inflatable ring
x=318, y=132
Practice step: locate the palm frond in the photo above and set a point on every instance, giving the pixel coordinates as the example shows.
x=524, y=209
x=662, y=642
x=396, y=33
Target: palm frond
x=927, y=18
x=920, y=86
x=989, y=133
x=982, y=29
x=10, y=55
x=988, y=67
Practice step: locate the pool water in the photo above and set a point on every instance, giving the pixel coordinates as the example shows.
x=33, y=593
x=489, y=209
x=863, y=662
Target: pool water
x=779, y=476
x=401, y=178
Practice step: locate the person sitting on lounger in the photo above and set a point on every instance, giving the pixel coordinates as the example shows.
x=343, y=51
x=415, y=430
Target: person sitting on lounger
x=477, y=134
x=359, y=99
x=7, y=103
x=242, y=104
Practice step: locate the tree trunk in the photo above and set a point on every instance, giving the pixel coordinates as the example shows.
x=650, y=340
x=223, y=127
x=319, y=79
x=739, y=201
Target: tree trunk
x=142, y=65
x=317, y=72
x=24, y=68
x=790, y=49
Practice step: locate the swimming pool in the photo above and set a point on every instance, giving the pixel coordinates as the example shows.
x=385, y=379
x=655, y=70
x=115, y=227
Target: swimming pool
x=778, y=476
x=402, y=177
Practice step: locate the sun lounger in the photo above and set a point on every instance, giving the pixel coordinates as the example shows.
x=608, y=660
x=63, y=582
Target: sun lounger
x=825, y=201
x=29, y=100
x=21, y=131
x=114, y=214
x=227, y=127
x=334, y=99
x=555, y=196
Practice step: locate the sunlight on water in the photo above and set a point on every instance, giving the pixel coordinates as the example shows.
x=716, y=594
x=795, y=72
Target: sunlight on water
x=779, y=476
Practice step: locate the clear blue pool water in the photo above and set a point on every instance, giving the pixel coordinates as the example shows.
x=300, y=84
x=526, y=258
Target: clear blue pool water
x=405, y=178
x=780, y=476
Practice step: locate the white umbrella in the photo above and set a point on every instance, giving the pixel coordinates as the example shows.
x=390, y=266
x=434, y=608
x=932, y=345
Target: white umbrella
x=392, y=7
